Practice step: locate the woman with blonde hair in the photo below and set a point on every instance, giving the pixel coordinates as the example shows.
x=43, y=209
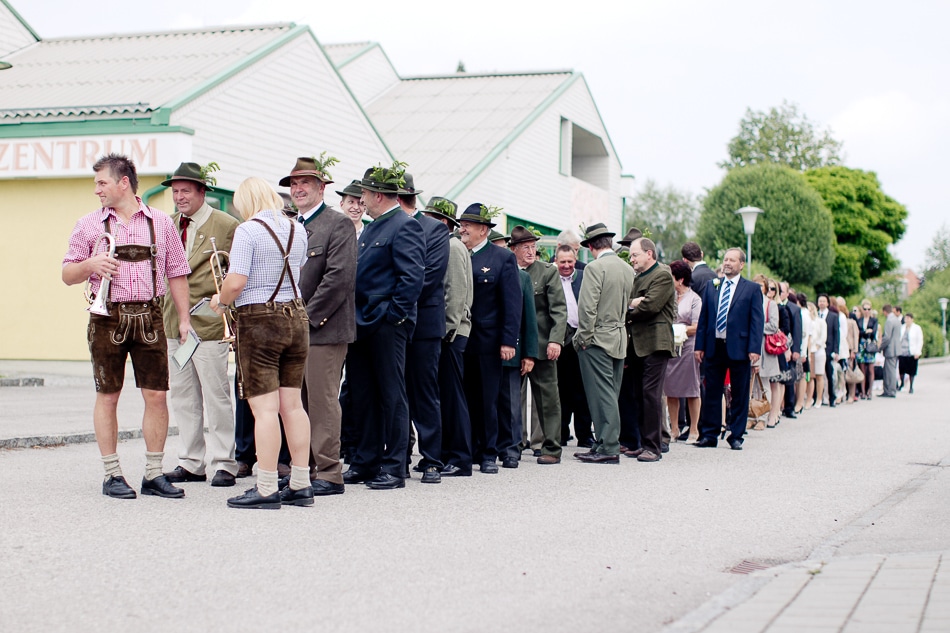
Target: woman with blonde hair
x=769, y=368
x=867, y=346
x=819, y=336
x=272, y=340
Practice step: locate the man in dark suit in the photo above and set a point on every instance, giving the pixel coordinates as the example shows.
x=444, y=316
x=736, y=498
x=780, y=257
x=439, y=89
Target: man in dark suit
x=693, y=255
x=728, y=337
x=832, y=343
x=790, y=303
x=425, y=347
x=513, y=371
x=389, y=278
x=651, y=314
x=327, y=282
x=551, y=310
x=569, y=382
x=496, y=324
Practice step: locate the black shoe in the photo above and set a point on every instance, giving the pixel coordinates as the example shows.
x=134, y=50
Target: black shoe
x=252, y=499
x=431, y=475
x=322, y=488
x=790, y=414
x=181, y=474
x=490, y=467
x=588, y=443
x=664, y=447
x=536, y=452
x=353, y=476
x=705, y=442
x=283, y=482
x=290, y=497
x=117, y=488
x=385, y=481
x=451, y=470
x=418, y=468
x=684, y=435
x=735, y=443
x=222, y=479
x=161, y=487
x=509, y=462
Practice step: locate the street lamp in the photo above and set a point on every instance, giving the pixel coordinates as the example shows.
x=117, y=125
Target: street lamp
x=749, y=215
x=943, y=308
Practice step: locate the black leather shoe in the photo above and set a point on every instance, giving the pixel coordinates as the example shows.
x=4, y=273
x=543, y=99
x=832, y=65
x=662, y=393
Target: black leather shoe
x=418, y=468
x=353, y=476
x=509, y=462
x=385, y=481
x=489, y=467
x=705, y=443
x=222, y=479
x=283, y=482
x=684, y=435
x=451, y=470
x=536, y=452
x=735, y=444
x=291, y=497
x=790, y=415
x=252, y=499
x=664, y=447
x=161, y=487
x=117, y=488
x=431, y=475
x=598, y=458
x=322, y=488
x=181, y=474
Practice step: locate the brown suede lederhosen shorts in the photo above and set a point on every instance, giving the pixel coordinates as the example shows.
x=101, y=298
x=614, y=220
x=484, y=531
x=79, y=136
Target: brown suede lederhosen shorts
x=272, y=341
x=131, y=329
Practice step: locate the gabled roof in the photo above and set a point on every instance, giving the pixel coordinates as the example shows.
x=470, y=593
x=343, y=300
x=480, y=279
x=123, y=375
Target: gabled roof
x=343, y=53
x=121, y=75
x=451, y=127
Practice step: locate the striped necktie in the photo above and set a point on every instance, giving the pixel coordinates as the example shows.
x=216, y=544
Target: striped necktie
x=723, y=306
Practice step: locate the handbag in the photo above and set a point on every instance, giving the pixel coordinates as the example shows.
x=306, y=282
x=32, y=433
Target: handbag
x=776, y=343
x=853, y=375
x=872, y=347
x=759, y=406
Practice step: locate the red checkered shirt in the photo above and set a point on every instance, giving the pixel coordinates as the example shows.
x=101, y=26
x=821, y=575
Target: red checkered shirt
x=133, y=282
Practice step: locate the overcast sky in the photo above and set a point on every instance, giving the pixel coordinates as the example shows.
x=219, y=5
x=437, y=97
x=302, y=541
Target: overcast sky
x=671, y=78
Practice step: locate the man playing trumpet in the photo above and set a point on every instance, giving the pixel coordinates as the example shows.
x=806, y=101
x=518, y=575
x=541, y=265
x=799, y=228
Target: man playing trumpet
x=147, y=251
x=201, y=388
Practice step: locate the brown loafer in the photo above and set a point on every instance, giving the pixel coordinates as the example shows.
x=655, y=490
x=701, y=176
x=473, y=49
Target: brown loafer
x=244, y=470
x=598, y=458
x=549, y=459
x=648, y=456
x=636, y=452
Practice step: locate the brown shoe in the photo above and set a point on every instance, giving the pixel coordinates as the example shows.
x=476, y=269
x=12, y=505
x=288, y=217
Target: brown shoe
x=648, y=456
x=244, y=470
x=599, y=458
x=549, y=459
x=283, y=470
x=759, y=426
x=636, y=452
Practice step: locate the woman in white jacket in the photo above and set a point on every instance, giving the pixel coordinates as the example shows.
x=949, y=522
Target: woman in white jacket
x=819, y=336
x=912, y=346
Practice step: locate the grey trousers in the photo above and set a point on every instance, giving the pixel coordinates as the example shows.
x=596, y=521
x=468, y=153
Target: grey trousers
x=602, y=375
x=890, y=375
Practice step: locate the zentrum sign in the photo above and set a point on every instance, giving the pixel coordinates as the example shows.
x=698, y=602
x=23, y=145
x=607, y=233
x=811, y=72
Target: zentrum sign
x=64, y=156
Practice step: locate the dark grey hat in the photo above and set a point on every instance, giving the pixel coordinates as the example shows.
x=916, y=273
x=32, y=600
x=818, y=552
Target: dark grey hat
x=478, y=213
x=409, y=189
x=352, y=189
x=444, y=208
x=594, y=231
x=633, y=234
x=494, y=236
x=187, y=171
x=520, y=234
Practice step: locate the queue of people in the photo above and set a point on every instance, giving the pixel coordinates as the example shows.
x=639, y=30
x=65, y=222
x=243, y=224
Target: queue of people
x=440, y=330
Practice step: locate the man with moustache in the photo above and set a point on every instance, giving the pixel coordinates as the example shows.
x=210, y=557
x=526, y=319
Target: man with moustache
x=327, y=282
x=389, y=279
x=425, y=346
x=496, y=323
x=201, y=391
x=569, y=382
x=551, y=311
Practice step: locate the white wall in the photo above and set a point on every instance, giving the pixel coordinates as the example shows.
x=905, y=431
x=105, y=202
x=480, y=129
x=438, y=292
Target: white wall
x=369, y=75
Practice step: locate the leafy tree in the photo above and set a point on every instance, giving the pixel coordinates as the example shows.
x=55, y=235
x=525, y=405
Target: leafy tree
x=938, y=253
x=782, y=135
x=866, y=222
x=668, y=213
x=925, y=306
x=794, y=237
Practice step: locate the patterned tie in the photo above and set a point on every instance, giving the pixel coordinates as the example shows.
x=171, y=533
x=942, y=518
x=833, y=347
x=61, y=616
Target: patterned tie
x=183, y=223
x=723, y=307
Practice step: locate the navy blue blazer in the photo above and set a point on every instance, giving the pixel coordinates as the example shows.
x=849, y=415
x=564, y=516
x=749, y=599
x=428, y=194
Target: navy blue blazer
x=430, y=322
x=745, y=325
x=389, y=272
x=497, y=302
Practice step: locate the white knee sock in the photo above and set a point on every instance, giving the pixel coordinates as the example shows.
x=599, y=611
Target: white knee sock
x=111, y=464
x=153, y=464
x=266, y=482
x=299, y=477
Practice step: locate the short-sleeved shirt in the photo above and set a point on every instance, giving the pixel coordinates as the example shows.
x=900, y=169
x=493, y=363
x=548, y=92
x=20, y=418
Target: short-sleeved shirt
x=133, y=283
x=255, y=255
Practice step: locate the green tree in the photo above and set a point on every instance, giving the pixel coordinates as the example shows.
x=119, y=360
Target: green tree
x=925, y=306
x=938, y=253
x=670, y=215
x=782, y=135
x=866, y=222
x=794, y=237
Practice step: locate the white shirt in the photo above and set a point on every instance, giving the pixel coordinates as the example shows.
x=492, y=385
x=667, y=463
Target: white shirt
x=480, y=246
x=734, y=281
x=571, y=300
x=806, y=330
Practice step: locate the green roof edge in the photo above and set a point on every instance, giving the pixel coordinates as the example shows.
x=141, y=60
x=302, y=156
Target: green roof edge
x=602, y=124
x=19, y=17
x=163, y=114
x=40, y=129
x=359, y=105
x=512, y=136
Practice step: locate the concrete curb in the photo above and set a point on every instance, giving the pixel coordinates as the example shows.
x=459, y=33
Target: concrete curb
x=52, y=441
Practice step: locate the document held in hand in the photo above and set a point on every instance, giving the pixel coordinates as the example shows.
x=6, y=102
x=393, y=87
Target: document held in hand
x=203, y=309
x=186, y=350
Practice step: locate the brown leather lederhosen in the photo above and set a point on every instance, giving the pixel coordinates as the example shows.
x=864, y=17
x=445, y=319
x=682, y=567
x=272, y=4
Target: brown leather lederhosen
x=286, y=307
x=137, y=315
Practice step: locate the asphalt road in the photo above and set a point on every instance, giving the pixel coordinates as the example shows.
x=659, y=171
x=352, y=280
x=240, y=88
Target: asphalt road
x=572, y=547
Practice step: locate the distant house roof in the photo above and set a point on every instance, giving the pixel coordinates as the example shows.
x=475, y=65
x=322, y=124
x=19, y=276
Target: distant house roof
x=341, y=54
x=63, y=79
x=449, y=127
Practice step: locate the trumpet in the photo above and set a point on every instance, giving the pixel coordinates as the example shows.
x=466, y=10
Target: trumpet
x=97, y=303
x=219, y=263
